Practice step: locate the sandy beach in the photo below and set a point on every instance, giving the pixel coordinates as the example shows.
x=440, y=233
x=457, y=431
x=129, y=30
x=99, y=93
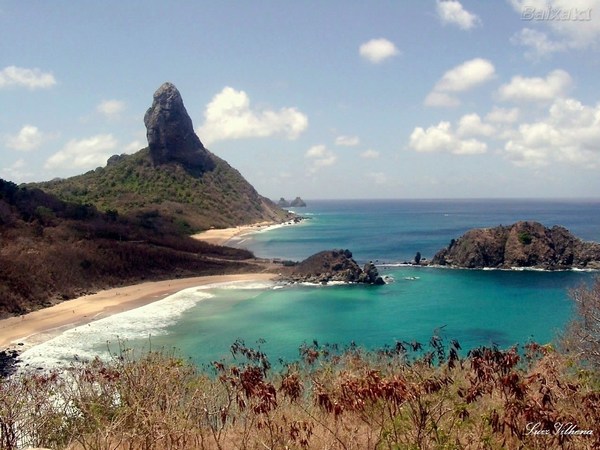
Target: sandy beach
x=42, y=325
x=39, y=326
x=220, y=236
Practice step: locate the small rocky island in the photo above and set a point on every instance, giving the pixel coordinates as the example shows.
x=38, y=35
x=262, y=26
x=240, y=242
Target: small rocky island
x=296, y=203
x=333, y=266
x=523, y=244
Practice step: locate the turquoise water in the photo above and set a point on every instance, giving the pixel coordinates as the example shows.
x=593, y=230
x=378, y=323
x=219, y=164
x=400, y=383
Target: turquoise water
x=476, y=307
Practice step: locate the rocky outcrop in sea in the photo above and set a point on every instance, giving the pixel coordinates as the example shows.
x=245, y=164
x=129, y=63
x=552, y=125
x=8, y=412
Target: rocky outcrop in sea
x=523, y=244
x=334, y=266
x=296, y=203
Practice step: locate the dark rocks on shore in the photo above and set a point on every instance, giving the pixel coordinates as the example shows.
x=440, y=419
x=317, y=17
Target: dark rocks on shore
x=8, y=362
x=334, y=266
x=523, y=244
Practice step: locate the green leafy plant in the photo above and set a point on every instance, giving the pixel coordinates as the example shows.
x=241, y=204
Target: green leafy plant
x=525, y=238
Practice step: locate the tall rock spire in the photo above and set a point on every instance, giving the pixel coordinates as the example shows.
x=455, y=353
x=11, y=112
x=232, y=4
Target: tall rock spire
x=170, y=132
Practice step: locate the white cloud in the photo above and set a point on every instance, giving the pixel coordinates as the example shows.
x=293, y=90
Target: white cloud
x=16, y=172
x=29, y=78
x=441, y=138
x=320, y=157
x=378, y=50
x=229, y=116
x=459, y=79
x=466, y=76
x=452, y=12
x=111, y=108
x=84, y=153
x=537, y=89
x=471, y=125
x=538, y=43
x=28, y=138
x=441, y=99
x=347, y=141
x=370, y=154
x=502, y=115
x=570, y=133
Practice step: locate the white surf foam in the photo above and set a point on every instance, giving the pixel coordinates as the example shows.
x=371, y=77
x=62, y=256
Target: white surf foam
x=84, y=342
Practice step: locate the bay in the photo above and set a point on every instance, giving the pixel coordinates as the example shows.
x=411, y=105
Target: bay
x=476, y=307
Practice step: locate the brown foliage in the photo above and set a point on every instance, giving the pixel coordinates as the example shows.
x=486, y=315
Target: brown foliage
x=51, y=250
x=347, y=399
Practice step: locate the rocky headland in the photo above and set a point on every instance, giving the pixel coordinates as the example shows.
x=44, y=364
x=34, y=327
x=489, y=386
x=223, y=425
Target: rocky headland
x=523, y=244
x=333, y=266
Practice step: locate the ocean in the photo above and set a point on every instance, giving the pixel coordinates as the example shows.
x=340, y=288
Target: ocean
x=475, y=307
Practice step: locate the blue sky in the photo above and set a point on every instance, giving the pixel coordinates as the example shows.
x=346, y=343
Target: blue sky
x=331, y=99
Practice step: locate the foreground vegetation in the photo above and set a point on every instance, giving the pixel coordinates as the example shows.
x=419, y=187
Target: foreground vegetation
x=402, y=397
x=407, y=396
x=330, y=400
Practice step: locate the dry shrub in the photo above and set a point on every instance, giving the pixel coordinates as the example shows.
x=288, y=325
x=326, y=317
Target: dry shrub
x=396, y=398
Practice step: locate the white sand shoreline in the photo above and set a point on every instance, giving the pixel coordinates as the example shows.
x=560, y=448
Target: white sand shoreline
x=220, y=236
x=224, y=236
x=40, y=326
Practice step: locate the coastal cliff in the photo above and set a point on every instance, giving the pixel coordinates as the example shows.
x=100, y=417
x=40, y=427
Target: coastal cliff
x=523, y=244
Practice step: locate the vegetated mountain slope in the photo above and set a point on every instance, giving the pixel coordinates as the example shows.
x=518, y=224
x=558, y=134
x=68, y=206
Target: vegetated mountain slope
x=175, y=176
x=51, y=250
x=217, y=198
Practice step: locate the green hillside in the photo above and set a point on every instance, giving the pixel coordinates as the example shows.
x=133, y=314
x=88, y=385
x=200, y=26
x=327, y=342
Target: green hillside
x=217, y=198
x=175, y=177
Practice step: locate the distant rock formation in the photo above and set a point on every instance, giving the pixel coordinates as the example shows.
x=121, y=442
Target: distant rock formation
x=336, y=266
x=523, y=244
x=170, y=133
x=283, y=203
x=297, y=203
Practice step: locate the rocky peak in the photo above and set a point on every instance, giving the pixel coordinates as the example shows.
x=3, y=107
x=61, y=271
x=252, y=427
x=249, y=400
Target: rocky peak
x=170, y=132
